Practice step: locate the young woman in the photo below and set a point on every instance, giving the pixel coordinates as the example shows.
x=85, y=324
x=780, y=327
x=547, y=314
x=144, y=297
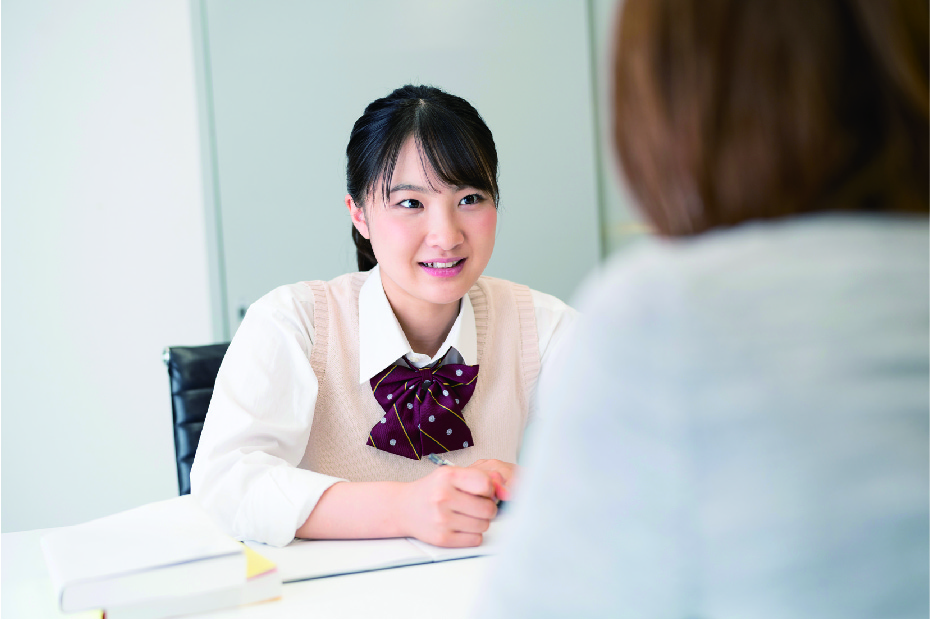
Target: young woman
x=332, y=394
x=762, y=445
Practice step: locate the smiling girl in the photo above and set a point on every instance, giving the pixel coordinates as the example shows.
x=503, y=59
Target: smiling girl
x=332, y=394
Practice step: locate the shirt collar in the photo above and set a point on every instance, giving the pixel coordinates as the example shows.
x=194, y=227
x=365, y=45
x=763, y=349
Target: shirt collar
x=382, y=341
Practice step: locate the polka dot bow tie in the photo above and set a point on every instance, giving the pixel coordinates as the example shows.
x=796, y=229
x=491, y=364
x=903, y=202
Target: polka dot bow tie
x=422, y=409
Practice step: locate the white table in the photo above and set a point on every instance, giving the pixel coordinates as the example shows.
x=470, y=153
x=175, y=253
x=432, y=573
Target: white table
x=437, y=590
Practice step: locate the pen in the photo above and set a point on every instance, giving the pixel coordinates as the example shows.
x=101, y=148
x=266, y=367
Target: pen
x=499, y=490
x=438, y=460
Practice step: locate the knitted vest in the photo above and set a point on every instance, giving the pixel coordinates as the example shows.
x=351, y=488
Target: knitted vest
x=508, y=356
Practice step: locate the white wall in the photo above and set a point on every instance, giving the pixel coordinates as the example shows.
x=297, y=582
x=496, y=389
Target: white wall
x=103, y=252
x=287, y=88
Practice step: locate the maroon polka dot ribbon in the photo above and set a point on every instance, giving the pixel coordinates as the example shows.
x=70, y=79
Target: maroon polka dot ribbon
x=422, y=409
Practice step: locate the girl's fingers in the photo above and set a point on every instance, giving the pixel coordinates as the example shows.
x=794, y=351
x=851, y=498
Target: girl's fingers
x=500, y=490
x=500, y=473
x=458, y=539
x=455, y=505
x=467, y=524
x=473, y=506
x=472, y=481
x=508, y=471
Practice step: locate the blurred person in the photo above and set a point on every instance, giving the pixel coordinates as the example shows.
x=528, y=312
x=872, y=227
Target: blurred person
x=741, y=426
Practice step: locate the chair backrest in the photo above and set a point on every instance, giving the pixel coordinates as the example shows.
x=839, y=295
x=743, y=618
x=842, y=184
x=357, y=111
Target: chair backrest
x=192, y=373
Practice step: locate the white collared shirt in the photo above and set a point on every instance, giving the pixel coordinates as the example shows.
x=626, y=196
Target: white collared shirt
x=382, y=341
x=245, y=472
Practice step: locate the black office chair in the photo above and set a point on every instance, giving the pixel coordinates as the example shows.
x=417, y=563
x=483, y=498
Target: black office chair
x=192, y=373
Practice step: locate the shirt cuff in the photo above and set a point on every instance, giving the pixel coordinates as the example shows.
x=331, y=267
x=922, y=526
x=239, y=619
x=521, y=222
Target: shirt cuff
x=275, y=509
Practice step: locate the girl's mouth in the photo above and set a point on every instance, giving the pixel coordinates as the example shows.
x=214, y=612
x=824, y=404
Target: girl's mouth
x=443, y=269
x=443, y=265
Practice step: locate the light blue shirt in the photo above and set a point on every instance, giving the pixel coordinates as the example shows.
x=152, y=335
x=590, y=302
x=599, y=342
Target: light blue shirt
x=741, y=430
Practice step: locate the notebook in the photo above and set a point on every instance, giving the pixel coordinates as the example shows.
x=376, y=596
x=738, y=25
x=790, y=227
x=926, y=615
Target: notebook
x=312, y=559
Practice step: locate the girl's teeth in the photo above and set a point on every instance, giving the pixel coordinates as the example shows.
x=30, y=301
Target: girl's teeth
x=441, y=265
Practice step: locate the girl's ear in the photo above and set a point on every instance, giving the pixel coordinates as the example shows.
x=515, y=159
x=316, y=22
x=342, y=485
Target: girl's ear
x=357, y=214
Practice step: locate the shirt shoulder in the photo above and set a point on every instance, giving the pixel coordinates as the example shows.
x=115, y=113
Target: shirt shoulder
x=795, y=255
x=288, y=299
x=554, y=318
x=289, y=306
x=542, y=302
x=287, y=296
x=551, y=307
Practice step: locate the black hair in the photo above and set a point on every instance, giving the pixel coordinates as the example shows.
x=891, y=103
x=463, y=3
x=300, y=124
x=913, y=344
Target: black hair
x=453, y=141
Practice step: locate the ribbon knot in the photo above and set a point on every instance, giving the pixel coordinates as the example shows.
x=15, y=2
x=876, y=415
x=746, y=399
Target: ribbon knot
x=422, y=409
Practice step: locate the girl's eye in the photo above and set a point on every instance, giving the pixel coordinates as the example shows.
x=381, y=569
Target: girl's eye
x=410, y=203
x=471, y=199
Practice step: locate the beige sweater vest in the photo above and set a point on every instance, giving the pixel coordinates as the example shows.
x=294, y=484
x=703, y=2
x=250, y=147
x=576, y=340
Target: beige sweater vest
x=508, y=356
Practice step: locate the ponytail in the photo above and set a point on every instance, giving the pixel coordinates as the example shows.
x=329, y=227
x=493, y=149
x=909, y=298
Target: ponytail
x=363, y=251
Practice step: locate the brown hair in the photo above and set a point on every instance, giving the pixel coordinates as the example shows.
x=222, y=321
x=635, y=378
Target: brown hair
x=733, y=110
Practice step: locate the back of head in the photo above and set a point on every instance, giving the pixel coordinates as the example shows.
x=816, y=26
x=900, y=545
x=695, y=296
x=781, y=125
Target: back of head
x=728, y=111
x=454, y=143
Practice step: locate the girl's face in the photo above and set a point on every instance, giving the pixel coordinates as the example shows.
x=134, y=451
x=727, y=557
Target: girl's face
x=431, y=241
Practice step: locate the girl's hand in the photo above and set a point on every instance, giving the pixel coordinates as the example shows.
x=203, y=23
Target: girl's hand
x=507, y=471
x=451, y=507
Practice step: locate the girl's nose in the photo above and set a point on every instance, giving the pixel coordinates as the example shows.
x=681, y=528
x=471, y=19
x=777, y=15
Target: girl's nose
x=445, y=233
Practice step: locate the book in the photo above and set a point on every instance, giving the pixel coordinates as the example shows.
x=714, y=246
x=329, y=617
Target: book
x=302, y=559
x=263, y=583
x=168, y=547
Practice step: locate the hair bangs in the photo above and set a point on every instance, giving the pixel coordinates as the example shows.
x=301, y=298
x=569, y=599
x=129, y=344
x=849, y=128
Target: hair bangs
x=449, y=148
x=451, y=151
